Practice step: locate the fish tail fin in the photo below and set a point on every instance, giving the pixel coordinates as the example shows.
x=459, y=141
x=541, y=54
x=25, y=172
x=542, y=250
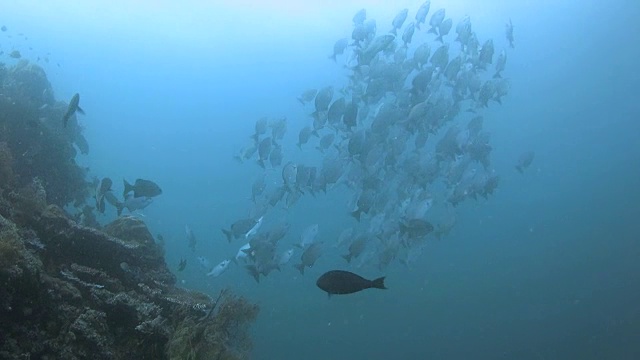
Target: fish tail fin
x=333, y=57
x=433, y=30
x=378, y=283
x=79, y=109
x=347, y=257
x=497, y=75
x=228, y=234
x=253, y=271
x=127, y=188
x=300, y=268
x=301, y=101
x=439, y=38
x=519, y=168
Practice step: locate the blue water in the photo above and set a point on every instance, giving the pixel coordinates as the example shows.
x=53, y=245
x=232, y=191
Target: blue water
x=547, y=268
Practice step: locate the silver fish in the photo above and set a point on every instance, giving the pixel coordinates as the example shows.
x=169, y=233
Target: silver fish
x=309, y=257
x=308, y=236
x=398, y=20
x=219, y=269
x=339, y=47
x=436, y=20
x=421, y=14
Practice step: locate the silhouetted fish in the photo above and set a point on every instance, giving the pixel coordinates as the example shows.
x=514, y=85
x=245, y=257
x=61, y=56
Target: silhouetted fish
x=345, y=282
x=105, y=187
x=72, y=109
x=142, y=188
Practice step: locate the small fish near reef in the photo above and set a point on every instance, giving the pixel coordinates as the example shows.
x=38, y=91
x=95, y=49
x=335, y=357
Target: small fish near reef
x=74, y=106
x=339, y=282
x=142, y=188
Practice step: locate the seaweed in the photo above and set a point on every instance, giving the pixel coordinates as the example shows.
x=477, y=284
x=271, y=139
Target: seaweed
x=223, y=335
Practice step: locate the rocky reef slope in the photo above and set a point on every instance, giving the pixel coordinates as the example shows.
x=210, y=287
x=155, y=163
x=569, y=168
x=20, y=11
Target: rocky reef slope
x=70, y=291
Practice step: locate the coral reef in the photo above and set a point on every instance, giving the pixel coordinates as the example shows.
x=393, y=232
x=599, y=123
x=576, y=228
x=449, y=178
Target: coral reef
x=35, y=142
x=70, y=291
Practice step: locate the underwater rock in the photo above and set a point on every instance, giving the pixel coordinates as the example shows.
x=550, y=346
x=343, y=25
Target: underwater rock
x=130, y=228
x=28, y=84
x=70, y=291
x=6, y=169
x=133, y=245
x=74, y=292
x=31, y=127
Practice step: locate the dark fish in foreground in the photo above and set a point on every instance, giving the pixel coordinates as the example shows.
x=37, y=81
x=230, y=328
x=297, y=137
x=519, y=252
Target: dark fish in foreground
x=142, y=188
x=344, y=282
x=74, y=105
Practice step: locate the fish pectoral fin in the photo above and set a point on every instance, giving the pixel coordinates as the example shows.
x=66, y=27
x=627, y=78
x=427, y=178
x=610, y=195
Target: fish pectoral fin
x=79, y=109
